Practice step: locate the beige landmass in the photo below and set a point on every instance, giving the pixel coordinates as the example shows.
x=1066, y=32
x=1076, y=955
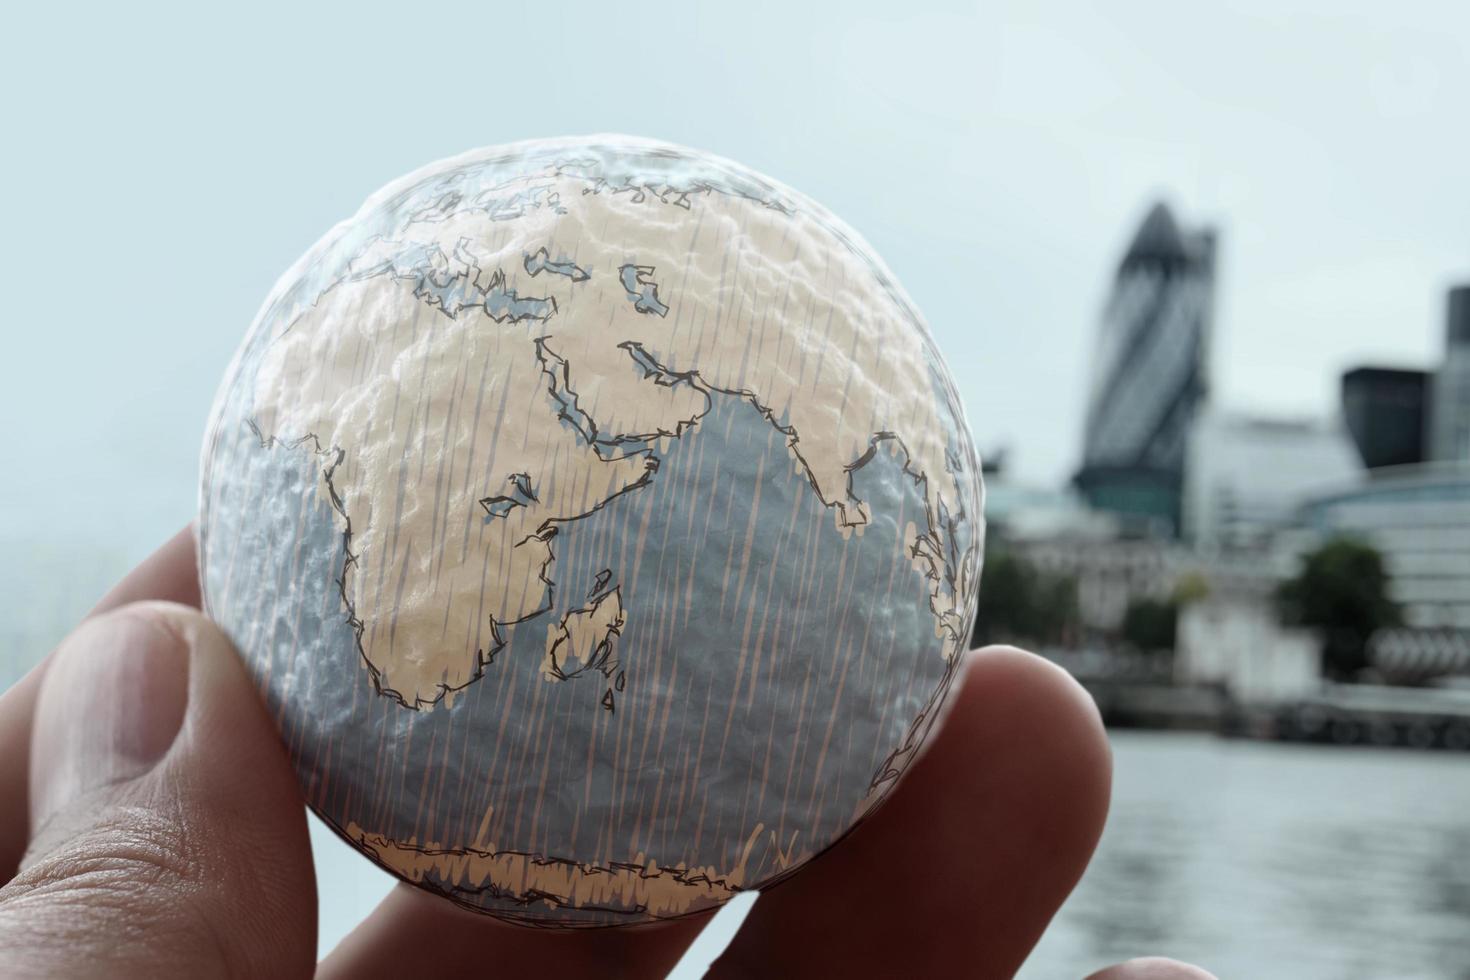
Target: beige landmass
x=436, y=366
x=583, y=639
x=541, y=884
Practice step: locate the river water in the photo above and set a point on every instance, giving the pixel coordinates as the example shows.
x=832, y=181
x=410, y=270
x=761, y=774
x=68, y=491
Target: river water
x=1259, y=860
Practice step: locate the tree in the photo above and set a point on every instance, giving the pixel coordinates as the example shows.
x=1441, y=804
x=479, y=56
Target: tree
x=1021, y=603
x=1342, y=589
x=1151, y=624
x=1191, y=587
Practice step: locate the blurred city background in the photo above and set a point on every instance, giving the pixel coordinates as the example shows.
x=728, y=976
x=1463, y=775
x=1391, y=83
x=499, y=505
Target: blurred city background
x=1200, y=272
x=1245, y=572
x=1275, y=580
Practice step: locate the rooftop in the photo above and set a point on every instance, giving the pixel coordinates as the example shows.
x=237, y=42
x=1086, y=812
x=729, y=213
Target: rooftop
x=1158, y=240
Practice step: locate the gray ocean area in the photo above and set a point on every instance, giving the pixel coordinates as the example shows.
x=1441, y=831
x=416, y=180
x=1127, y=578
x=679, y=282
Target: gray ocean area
x=586, y=741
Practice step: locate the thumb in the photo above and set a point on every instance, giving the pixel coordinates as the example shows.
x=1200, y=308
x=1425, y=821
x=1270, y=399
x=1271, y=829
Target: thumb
x=168, y=837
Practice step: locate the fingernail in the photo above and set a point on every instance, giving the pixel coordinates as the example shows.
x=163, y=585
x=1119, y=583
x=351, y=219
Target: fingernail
x=111, y=705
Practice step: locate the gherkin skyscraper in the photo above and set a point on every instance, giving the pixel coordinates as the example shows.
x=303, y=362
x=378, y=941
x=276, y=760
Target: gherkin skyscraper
x=1149, y=373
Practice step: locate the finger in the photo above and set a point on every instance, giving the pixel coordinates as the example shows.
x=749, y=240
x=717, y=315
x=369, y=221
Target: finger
x=412, y=932
x=168, y=574
x=17, y=706
x=168, y=835
x=961, y=869
x=1152, y=968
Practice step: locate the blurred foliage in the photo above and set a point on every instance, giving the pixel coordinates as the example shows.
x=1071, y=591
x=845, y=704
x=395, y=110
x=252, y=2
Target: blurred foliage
x=1192, y=587
x=1020, y=603
x=1342, y=590
x=1150, y=625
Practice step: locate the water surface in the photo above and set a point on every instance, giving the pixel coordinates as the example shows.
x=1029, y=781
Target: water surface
x=1265, y=860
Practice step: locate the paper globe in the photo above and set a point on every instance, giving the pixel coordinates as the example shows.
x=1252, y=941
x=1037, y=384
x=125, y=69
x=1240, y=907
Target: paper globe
x=600, y=523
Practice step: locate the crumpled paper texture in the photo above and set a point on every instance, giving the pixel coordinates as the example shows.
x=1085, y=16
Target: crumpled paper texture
x=601, y=524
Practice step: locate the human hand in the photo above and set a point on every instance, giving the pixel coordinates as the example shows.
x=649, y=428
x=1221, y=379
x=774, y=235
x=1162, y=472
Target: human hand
x=151, y=825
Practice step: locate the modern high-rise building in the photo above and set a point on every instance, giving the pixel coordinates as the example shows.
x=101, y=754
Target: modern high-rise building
x=1149, y=374
x=1418, y=517
x=1449, y=438
x=1248, y=476
x=1385, y=410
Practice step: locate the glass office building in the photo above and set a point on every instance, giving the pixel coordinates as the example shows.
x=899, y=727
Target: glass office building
x=1149, y=373
x=1247, y=476
x=1450, y=420
x=1419, y=518
x=1385, y=410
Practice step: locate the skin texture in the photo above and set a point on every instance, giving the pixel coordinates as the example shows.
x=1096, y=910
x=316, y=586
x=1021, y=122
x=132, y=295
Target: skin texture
x=130, y=850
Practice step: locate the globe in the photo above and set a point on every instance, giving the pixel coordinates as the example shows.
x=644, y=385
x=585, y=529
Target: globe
x=600, y=523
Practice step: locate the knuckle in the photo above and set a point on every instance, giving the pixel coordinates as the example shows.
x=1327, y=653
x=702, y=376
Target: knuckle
x=130, y=877
x=180, y=620
x=127, y=851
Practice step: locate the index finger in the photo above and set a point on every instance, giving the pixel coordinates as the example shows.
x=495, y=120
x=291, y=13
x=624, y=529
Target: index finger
x=169, y=573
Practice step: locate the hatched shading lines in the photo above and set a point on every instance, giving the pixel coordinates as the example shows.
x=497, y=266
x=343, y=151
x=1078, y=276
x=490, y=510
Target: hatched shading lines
x=799, y=754
x=662, y=627
x=785, y=547
x=517, y=773
x=842, y=655
x=419, y=832
x=739, y=592
x=304, y=504
x=439, y=543
x=880, y=734
x=675, y=603
x=546, y=757
x=437, y=809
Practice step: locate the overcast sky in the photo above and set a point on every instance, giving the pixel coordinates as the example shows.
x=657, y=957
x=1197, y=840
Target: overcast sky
x=162, y=171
